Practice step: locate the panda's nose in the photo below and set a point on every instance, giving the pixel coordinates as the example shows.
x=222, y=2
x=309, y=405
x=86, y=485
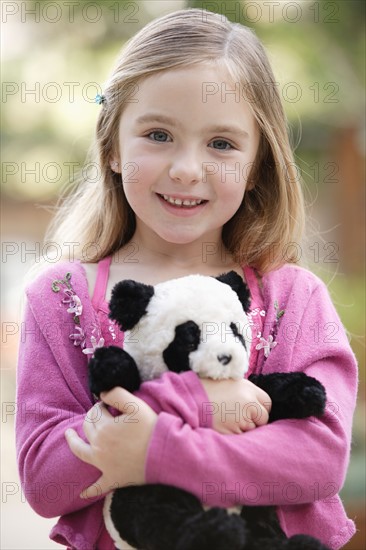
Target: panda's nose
x=224, y=359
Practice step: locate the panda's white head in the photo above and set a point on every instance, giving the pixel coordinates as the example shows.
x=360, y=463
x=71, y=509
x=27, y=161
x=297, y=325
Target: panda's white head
x=194, y=323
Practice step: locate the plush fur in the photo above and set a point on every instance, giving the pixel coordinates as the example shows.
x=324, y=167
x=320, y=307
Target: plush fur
x=196, y=323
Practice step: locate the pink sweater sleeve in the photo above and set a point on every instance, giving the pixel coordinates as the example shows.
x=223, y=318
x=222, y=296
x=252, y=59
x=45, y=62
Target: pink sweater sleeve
x=47, y=404
x=53, y=395
x=288, y=461
x=181, y=395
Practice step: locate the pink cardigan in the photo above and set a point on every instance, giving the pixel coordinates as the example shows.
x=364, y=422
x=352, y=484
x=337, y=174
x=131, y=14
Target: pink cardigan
x=297, y=465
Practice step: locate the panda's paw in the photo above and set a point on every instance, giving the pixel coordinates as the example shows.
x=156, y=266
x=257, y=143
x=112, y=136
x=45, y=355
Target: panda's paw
x=293, y=394
x=110, y=367
x=310, y=397
x=213, y=529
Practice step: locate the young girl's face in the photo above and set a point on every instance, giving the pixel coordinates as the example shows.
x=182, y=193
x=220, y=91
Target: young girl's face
x=187, y=140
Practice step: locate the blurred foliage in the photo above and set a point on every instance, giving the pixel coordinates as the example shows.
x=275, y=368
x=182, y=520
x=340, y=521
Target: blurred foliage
x=347, y=293
x=320, y=45
x=56, y=56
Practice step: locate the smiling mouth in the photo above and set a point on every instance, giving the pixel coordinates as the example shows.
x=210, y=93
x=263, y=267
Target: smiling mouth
x=183, y=203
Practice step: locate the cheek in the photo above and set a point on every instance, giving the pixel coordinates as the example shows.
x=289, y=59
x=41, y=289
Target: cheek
x=231, y=188
x=141, y=171
x=232, y=175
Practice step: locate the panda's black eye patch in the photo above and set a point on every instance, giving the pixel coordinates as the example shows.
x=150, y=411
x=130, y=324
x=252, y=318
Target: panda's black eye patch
x=186, y=340
x=237, y=334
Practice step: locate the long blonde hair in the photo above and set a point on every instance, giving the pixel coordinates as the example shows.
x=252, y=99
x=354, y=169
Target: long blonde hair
x=271, y=216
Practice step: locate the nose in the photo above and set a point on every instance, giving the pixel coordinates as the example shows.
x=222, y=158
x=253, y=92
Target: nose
x=224, y=359
x=186, y=167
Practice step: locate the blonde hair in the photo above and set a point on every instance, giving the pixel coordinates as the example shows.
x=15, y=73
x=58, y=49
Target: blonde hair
x=271, y=216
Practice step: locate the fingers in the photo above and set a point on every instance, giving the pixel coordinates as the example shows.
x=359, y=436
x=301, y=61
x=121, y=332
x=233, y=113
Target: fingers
x=96, y=418
x=83, y=451
x=100, y=487
x=248, y=427
x=78, y=447
x=262, y=418
x=253, y=415
x=96, y=413
x=260, y=395
x=121, y=399
x=91, y=492
x=263, y=398
x=265, y=405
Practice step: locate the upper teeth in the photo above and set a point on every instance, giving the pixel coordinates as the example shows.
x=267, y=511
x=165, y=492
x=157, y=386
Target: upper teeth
x=180, y=202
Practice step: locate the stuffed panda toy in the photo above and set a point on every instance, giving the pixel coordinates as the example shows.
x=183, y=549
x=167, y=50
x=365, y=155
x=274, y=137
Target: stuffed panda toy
x=194, y=323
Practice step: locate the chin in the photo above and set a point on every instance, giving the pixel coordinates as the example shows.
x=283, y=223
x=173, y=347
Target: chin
x=174, y=238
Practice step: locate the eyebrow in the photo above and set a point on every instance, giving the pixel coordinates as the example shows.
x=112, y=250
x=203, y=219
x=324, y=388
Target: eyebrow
x=152, y=117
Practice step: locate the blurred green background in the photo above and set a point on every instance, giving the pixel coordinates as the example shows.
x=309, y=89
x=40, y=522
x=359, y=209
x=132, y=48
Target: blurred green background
x=55, y=58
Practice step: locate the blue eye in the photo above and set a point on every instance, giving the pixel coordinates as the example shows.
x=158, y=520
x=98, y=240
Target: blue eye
x=159, y=135
x=221, y=145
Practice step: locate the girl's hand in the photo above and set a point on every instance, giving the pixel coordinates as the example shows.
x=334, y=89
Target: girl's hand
x=236, y=405
x=117, y=444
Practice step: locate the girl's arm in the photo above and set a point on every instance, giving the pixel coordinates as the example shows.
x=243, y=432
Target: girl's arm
x=185, y=395
x=284, y=463
x=47, y=404
x=288, y=461
x=118, y=445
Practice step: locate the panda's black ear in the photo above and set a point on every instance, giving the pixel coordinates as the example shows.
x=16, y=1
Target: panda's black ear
x=239, y=286
x=129, y=302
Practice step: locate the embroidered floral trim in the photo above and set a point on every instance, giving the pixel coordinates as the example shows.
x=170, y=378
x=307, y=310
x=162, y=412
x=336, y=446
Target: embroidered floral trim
x=266, y=345
x=254, y=313
x=74, y=303
x=75, y=308
x=79, y=337
x=270, y=343
x=253, y=316
x=71, y=298
x=96, y=341
x=279, y=314
x=56, y=283
x=112, y=329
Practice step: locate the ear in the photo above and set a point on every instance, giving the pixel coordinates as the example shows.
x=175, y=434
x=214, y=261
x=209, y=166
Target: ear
x=114, y=164
x=239, y=286
x=129, y=302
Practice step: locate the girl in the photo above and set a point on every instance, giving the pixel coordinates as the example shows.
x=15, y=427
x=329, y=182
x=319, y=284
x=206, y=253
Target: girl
x=196, y=176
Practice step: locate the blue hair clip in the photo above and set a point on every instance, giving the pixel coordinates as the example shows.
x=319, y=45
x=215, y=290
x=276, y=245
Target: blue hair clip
x=99, y=99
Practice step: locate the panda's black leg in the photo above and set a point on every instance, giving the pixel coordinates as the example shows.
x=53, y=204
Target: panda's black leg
x=149, y=516
x=304, y=542
x=293, y=394
x=298, y=542
x=214, y=529
x=264, y=529
x=262, y=522
x=159, y=517
x=111, y=367
x=265, y=532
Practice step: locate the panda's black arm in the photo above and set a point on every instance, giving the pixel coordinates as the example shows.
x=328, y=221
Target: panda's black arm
x=110, y=367
x=293, y=394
